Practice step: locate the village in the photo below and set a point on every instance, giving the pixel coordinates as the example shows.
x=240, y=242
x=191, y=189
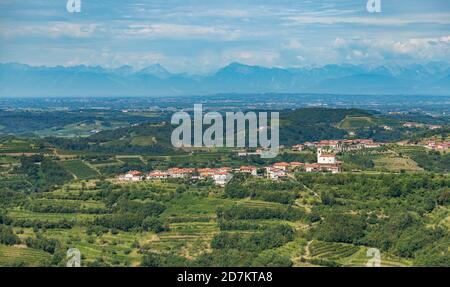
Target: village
x=326, y=151
x=326, y=162
x=437, y=146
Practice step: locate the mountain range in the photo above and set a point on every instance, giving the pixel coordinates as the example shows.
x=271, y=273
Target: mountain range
x=20, y=80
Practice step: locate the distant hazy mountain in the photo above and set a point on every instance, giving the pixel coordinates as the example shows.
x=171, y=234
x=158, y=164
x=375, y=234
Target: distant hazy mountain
x=23, y=80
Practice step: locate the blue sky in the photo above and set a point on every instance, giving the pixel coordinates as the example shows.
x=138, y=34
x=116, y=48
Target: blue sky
x=199, y=36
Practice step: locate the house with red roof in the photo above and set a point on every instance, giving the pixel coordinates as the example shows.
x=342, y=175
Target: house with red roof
x=253, y=170
x=132, y=175
x=281, y=165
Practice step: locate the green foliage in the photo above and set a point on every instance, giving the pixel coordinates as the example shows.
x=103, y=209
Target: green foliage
x=331, y=251
x=152, y=259
x=43, y=173
x=284, y=193
x=271, y=238
x=45, y=244
x=80, y=169
x=431, y=161
x=245, y=212
x=154, y=224
x=313, y=124
x=225, y=258
x=341, y=228
x=149, y=208
x=121, y=221
x=7, y=236
x=239, y=225
x=4, y=219
x=403, y=234
x=434, y=255
x=359, y=159
x=444, y=197
x=415, y=238
x=272, y=259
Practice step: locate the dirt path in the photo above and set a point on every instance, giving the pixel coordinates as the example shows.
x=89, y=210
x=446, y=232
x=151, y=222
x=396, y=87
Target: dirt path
x=307, y=250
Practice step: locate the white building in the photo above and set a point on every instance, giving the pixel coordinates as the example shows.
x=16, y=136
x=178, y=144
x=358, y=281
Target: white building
x=325, y=158
x=222, y=178
x=133, y=175
x=312, y=167
x=434, y=127
x=298, y=147
x=275, y=173
x=249, y=169
x=157, y=174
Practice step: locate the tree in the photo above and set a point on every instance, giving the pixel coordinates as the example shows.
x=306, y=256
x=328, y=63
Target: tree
x=341, y=228
x=7, y=236
x=151, y=260
x=272, y=259
x=154, y=224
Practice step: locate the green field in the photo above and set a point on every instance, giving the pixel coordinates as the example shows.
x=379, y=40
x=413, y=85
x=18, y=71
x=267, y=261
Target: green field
x=396, y=164
x=352, y=123
x=22, y=256
x=137, y=160
x=79, y=169
x=16, y=146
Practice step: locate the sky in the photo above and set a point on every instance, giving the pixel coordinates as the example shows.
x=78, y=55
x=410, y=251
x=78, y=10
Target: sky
x=200, y=36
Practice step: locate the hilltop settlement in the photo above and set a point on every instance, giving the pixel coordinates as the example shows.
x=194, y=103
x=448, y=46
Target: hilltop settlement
x=326, y=162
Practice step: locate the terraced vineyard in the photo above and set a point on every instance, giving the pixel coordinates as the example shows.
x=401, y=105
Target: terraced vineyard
x=21, y=255
x=350, y=255
x=249, y=222
x=79, y=169
x=360, y=258
x=331, y=251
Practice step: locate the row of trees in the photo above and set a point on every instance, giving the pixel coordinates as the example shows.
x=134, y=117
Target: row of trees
x=246, y=212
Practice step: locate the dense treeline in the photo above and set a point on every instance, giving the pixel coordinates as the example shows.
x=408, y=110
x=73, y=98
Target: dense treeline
x=341, y=228
x=262, y=192
x=432, y=161
x=388, y=192
x=239, y=225
x=45, y=244
x=270, y=238
x=361, y=160
x=384, y=211
x=19, y=122
x=379, y=134
x=45, y=208
x=96, y=142
x=133, y=215
x=7, y=235
x=314, y=124
x=247, y=212
x=42, y=172
x=41, y=224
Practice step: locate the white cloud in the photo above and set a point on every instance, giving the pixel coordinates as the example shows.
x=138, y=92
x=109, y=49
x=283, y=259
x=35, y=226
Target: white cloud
x=380, y=20
x=293, y=44
x=250, y=57
x=53, y=30
x=167, y=30
x=437, y=48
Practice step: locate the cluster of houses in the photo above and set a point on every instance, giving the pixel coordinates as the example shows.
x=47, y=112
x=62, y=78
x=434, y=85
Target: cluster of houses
x=221, y=176
x=439, y=146
x=419, y=125
x=339, y=145
x=326, y=162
